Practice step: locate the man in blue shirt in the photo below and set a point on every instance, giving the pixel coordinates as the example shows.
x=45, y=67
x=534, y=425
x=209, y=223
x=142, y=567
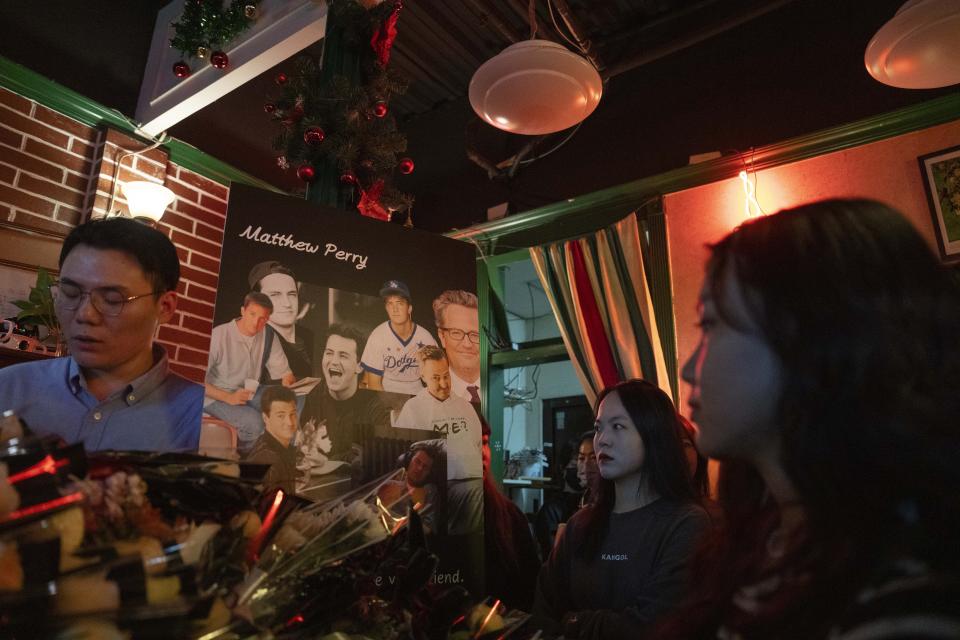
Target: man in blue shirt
x=118, y=281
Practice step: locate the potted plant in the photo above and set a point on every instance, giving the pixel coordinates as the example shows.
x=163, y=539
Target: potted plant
x=37, y=311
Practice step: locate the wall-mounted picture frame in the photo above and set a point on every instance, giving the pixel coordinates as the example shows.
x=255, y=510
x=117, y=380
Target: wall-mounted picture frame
x=941, y=179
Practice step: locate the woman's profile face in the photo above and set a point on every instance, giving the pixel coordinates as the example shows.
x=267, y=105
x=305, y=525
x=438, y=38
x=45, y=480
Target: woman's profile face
x=617, y=443
x=735, y=380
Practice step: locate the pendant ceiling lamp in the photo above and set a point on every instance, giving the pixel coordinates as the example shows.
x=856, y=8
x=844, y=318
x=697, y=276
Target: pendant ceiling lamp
x=535, y=87
x=919, y=48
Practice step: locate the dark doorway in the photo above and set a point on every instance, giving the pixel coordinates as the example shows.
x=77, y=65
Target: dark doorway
x=564, y=419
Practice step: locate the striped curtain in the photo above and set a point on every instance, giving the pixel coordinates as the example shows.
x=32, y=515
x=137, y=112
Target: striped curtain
x=600, y=297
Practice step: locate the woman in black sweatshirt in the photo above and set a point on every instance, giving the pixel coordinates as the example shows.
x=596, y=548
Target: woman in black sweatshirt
x=621, y=561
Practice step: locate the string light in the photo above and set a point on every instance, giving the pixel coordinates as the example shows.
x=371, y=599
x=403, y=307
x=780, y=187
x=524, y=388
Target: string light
x=751, y=207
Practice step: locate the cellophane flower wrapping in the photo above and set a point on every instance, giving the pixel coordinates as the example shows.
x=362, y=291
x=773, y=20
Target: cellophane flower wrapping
x=315, y=539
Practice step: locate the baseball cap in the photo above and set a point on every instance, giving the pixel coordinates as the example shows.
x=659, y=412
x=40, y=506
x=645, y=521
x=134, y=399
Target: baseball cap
x=394, y=288
x=262, y=269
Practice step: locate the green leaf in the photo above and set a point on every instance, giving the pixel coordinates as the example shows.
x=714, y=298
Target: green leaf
x=29, y=319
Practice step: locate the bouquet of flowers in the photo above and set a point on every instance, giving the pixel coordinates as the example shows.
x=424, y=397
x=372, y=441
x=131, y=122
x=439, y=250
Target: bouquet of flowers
x=116, y=508
x=314, y=538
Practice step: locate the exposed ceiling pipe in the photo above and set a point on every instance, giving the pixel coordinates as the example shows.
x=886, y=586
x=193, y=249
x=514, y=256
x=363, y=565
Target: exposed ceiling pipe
x=577, y=31
x=692, y=39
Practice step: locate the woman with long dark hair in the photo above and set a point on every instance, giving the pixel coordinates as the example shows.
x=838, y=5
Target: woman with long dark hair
x=827, y=380
x=621, y=561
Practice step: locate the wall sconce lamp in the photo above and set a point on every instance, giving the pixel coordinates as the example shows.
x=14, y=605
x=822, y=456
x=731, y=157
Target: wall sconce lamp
x=147, y=200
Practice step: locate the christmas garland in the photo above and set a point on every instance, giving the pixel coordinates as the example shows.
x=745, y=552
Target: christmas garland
x=205, y=25
x=345, y=122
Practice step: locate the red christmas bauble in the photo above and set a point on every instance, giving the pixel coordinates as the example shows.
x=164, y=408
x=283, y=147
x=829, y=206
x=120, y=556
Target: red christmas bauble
x=181, y=69
x=306, y=173
x=281, y=79
x=269, y=107
x=219, y=59
x=313, y=135
x=405, y=165
x=380, y=109
x=348, y=177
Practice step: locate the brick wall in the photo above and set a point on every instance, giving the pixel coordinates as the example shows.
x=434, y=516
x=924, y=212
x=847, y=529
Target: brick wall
x=46, y=161
x=56, y=172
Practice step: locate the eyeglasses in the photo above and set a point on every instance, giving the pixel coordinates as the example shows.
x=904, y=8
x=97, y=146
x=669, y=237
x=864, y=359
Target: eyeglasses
x=458, y=335
x=109, y=302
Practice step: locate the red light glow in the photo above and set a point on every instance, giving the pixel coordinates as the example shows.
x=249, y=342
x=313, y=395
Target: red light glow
x=44, y=506
x=47, y=465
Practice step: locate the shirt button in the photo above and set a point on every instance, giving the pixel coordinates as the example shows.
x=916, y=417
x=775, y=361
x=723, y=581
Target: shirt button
x=131, y=398
x=97, y=415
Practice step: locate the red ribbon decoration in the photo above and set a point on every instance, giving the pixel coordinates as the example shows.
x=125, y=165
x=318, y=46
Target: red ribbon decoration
x=384, y=36
x=369, y=204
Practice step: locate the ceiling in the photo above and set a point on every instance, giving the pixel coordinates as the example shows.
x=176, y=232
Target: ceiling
x=682, y=77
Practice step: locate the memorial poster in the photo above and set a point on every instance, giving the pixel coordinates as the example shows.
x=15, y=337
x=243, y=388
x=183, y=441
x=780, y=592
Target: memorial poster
x=345, y=347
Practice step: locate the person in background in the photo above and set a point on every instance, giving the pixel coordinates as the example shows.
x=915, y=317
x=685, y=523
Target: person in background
x=279, y=283
x=587, y=470
x=390, y=357
x=275, y=446
x=559, y=505
x=510, y=553
x=621, y=561
x=118, y=284
x=239, y=352
x=458, y=325
x=826, y=381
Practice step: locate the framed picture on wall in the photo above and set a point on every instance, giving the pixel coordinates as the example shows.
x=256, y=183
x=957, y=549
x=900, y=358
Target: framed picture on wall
x=941, y=177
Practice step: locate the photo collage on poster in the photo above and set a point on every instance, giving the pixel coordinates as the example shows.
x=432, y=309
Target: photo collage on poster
x=345, y=348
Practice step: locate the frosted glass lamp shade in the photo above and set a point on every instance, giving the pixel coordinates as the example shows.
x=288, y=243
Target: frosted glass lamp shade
x=147, y=199
x=919, y=48
x=535, y=87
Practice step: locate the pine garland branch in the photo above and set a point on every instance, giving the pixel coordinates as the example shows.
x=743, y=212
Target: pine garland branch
x=353, y=137
x=205, y=23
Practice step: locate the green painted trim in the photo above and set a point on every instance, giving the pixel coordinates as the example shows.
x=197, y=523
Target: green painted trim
x=504, y=259
x=33, y=86
x=541, y=354
x=491, y=380
x=585, y=213
x=189, y=157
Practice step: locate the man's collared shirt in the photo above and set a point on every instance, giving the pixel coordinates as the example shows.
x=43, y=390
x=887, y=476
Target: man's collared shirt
x=460, y=387
x=159, y=411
